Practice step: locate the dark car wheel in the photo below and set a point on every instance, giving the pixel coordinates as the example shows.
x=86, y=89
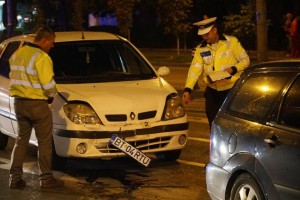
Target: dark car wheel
x=245, y=187
x=168, y=155
x=3, y=141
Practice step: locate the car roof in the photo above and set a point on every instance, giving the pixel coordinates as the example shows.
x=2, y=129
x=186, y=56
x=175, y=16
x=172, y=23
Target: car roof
x=288, y=64
x=72, y=36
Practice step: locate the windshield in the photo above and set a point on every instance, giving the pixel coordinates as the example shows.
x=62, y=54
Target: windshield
x=98, y=61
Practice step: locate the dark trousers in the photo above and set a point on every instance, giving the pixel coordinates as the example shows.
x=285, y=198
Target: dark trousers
x=213, y=101
x=32, y=114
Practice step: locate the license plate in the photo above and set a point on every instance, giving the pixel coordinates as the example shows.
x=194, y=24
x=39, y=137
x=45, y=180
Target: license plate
x=130, y=150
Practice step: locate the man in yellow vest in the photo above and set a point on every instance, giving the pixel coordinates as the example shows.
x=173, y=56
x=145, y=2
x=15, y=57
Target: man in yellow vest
x=32, y=85
x=219, y=60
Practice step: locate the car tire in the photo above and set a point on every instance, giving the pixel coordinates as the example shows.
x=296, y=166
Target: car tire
x=168, y=155
x=3, y=141
x=245, y=187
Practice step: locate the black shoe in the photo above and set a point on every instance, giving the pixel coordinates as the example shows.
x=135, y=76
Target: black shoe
x=51, y=182
x=20, y=184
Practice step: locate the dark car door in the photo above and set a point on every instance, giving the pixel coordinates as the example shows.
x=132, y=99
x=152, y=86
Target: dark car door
x=278, y=147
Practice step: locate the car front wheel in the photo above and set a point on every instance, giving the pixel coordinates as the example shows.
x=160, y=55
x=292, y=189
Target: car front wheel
x=244, y=188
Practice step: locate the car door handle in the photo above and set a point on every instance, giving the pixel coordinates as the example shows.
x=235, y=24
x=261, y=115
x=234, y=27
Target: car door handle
x=272, y=141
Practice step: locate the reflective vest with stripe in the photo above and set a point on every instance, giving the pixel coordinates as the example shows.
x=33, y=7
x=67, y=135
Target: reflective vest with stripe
x=31, y=73
x=228, y=52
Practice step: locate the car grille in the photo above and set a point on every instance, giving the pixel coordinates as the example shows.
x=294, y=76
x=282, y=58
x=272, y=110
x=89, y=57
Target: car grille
x=156, y=143
x=123, y=117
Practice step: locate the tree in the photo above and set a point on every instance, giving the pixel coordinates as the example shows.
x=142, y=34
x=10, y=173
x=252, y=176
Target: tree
x=242, y=26
x=174, y=17
x=74, y=14
x=123, y=11
x=39, y=18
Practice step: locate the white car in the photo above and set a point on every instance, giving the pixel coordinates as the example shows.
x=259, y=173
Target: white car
x=105, y=87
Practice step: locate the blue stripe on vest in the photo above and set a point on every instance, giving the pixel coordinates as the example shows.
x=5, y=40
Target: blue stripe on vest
x=206, y=53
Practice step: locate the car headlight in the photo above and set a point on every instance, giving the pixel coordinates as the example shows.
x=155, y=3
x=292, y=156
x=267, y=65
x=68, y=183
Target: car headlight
x=173, y=108
x=81, y=113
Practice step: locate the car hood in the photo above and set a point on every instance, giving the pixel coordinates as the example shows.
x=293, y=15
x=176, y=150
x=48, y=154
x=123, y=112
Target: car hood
x=120, y=97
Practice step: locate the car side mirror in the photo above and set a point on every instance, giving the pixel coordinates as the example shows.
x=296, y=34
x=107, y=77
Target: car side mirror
x=163, y=71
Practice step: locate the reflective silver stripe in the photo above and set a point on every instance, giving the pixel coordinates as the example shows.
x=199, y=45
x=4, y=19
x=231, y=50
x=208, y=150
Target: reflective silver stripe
x=197, y=65
x=31, y=62
x=193, y=75
x=16, y=67
x=31, y=71
x=242, y=56
x=26, y=83
x=227, y=53
x=49, y=85
x=23, y=69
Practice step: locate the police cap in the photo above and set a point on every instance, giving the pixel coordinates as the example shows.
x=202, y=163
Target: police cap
x=206, y=25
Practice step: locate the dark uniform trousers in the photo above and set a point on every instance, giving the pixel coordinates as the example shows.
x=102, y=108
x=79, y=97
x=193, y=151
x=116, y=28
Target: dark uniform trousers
x=30, y=114
x=213, y=101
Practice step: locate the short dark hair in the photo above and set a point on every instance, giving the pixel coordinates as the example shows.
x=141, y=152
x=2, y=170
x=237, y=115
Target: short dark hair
x=44, y=32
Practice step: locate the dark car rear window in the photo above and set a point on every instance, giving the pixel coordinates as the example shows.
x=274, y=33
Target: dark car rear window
x=4, y=61
x=257, y=94
x=98, y=61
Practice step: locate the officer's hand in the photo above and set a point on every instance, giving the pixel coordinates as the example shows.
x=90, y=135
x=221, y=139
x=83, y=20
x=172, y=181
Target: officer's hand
x=186, y=97
x=229, y=70
x=50, y=100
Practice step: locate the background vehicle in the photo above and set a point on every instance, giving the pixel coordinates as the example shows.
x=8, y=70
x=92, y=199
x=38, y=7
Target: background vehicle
x=105, y=87
x=255, y=138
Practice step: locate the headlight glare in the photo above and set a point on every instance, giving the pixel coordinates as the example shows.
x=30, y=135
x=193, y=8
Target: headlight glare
x=173, y=103
x=81, y=113
x=174, y=108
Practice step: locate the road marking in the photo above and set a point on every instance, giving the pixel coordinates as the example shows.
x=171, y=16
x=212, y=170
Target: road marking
x=191, y=163
x=4, y=163
x=199, y=139
x=194, y=163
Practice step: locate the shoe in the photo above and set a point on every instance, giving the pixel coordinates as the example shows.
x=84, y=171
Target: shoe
x=51, y=182
x=20, y=184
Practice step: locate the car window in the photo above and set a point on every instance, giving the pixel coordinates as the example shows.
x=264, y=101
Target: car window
x=4, y=60
x=290, y=112
x=98, y=61
x=255, y=97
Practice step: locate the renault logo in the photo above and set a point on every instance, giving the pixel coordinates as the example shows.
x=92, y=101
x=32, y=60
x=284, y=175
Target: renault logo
x=132, y=116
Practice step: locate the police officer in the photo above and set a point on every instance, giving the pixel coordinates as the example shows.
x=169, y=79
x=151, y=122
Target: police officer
x=33, y=87
x=219, y=60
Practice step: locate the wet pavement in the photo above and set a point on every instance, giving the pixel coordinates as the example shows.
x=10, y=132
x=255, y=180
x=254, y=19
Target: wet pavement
x=116, y=179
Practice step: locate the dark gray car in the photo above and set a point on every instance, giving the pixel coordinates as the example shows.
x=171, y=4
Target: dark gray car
x=255, y=138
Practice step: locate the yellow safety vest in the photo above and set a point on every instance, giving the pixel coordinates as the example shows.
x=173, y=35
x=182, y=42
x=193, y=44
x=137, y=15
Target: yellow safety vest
x=31, y=73
x=228, y=52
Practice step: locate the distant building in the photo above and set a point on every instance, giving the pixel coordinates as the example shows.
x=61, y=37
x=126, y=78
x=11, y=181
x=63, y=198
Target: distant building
x=107, y=19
